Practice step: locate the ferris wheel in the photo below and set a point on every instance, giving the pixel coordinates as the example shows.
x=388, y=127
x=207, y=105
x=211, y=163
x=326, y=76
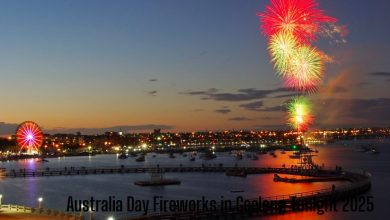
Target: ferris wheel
x=29, y=137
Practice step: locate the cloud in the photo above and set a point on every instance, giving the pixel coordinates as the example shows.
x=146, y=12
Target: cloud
x=382, y=74
x=241, y=95
x=209, y=91
x=269, y=118
x=354, y=112
x=223, y=111
x=153, y=93
x=258, y=106
x=153, y=80
x=363, y=84
x=241, y=118
x=374, y=110
x=123, y=128
x=7, y=129
x=340, y=89
x=253, y=106
x=385, y=74
x=278, y=108
x=287, y=95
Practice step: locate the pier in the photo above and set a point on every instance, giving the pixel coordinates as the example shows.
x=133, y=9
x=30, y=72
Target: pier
x=359, y=183
x=73, y=171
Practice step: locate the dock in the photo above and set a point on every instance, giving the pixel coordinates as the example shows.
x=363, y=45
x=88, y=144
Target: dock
x=74, y=171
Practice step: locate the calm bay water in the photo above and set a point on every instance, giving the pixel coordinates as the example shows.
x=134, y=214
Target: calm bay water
x=55, y=190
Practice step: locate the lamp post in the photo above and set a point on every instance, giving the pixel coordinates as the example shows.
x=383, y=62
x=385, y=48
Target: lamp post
x=90, y=214
x=40, y=200
x=81, y=211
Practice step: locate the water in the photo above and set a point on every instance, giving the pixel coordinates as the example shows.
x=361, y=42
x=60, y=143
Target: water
x=56, y=190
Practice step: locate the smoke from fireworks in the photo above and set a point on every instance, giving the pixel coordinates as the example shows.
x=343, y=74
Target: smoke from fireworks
x=299, y=111
x=336, y=33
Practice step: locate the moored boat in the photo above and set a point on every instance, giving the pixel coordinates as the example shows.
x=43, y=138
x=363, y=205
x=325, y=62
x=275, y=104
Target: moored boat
x=140, y=158
x=122, y=156
x=157, y=179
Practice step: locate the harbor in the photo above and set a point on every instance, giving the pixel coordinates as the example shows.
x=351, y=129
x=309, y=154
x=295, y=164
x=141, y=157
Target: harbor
x=108, y=170
x=194, y=110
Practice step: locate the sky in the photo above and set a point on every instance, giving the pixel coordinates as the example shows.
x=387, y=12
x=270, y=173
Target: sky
x=189, y=65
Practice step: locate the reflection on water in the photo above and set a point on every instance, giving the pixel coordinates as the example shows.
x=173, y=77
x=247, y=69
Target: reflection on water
x=55, y=190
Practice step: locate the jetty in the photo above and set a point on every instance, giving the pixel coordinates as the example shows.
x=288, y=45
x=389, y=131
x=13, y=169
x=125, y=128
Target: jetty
x=75, y=171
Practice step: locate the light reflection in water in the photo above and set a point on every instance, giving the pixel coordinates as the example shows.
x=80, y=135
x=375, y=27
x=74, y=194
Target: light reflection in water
x=31, y=183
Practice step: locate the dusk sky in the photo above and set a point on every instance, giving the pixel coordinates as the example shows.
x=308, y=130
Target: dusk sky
x=180, y=65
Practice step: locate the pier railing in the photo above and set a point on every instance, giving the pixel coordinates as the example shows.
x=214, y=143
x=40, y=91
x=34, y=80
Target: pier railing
x=56, y=214
x=72, y=171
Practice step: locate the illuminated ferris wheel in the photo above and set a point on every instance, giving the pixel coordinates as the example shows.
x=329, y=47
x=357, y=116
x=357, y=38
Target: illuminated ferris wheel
x=29, y=137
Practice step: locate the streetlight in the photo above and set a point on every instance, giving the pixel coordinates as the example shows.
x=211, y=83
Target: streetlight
x=40, y=199
x=110, y=218
x=1, y=196
x=81, y=210
x=90, y=214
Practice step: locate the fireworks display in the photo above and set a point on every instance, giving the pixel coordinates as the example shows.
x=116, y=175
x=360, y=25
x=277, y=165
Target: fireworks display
x=305, y=71
x=291, y=27
x=299, y=17
x=281, y=47
x=299, y=113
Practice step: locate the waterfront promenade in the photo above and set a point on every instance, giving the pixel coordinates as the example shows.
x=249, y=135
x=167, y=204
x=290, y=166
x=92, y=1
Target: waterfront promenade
x=18, y=212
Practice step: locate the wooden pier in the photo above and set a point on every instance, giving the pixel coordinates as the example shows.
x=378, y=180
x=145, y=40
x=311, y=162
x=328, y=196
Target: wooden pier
x=73, y=171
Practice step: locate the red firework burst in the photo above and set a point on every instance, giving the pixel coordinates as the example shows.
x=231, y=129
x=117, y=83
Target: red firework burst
x=299, y=17
x=29, y=136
